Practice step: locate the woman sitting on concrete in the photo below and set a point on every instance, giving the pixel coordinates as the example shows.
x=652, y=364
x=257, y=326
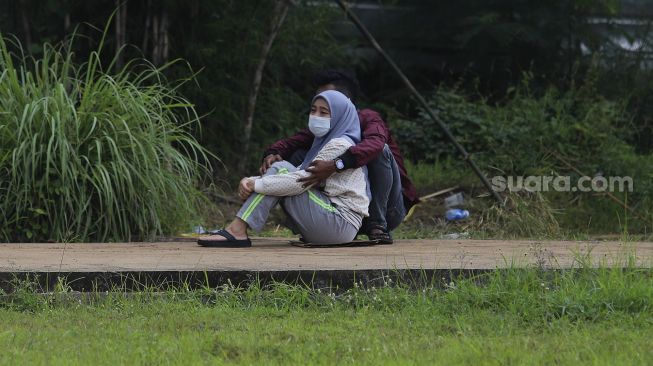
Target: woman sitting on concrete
x=330, y=214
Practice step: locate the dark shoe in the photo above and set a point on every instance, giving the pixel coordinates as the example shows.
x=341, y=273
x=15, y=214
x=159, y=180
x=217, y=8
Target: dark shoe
x=382, y=237
x=231, y=241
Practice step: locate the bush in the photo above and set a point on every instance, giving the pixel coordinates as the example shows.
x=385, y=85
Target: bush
x=516, y=135
x=527, y=133
x=90, y=155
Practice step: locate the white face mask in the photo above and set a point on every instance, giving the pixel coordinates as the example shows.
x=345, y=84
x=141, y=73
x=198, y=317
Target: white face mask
x=319, y=126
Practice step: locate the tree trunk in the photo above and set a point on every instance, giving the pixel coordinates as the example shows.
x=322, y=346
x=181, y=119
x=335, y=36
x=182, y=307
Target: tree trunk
x=160, y=39
x=194, y=14
x=278, y=17
x=66, y=21
x=148, y=22
x=155, y=37
x=27, y=32
x=121, y=31
x=164, y=37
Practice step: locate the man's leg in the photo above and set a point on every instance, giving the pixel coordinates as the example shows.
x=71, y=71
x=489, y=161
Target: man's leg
x=386, y=207
x=317, y=220
x=396, y=211
x=297, y=157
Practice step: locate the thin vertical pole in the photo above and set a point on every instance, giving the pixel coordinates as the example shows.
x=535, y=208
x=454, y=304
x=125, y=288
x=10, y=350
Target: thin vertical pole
x=420, y=98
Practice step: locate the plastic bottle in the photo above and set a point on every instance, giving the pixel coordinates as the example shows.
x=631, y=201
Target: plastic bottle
x=454, y=200
x=454, y=236
x=200, y=230
x=456, y=214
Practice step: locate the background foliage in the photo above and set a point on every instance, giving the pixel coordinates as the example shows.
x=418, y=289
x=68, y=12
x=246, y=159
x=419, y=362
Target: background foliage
x=515, y=79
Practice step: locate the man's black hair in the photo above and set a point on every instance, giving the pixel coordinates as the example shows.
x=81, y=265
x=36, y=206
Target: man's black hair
x=344, y=80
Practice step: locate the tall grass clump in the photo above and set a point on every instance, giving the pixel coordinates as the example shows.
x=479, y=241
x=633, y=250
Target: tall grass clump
x=88, y=154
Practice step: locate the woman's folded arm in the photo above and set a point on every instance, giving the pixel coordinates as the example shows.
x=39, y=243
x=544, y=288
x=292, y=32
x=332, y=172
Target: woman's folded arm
x=286, y=184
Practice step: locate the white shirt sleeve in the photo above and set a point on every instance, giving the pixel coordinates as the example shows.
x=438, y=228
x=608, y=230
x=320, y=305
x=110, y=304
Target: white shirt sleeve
x=286, y=184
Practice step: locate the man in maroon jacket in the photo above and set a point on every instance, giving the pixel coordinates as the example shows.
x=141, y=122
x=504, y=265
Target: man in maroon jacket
x=393, y=194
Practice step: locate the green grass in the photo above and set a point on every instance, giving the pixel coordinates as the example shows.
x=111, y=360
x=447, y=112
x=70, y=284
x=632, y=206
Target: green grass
x=544, y=215
x=186, y=334
x=585, y=316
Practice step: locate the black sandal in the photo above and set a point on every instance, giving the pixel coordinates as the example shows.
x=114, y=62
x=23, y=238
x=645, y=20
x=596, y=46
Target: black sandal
x=231, y=241
x=383, y=237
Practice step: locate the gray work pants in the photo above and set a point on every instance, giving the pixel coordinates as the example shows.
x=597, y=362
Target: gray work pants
x=387, y=205
x=386, y=208
x=311, y=212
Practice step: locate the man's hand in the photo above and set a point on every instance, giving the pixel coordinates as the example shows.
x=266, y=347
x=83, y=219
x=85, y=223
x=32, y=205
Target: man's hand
x=268, y=161
x=245, y=188
x=320, y=170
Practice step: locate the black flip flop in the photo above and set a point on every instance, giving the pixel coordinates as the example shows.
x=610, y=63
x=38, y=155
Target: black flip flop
x=231, y=241
x=383, y=237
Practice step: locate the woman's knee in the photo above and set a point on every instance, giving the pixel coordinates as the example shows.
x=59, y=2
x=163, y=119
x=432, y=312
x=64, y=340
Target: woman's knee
x=282, y=164
x=281, y=167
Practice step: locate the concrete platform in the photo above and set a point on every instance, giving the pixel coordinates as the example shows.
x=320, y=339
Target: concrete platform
x=99, y=266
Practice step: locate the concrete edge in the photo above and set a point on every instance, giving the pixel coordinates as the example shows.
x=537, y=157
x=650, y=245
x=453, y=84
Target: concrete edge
x=130, y=281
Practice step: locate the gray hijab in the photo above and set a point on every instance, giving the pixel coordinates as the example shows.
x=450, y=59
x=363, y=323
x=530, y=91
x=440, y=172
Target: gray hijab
x=344, y=123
